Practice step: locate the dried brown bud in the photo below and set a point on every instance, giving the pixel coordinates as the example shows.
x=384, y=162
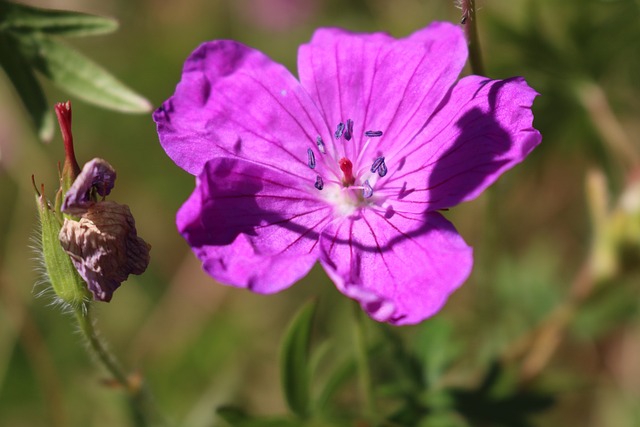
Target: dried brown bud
x=104, y=247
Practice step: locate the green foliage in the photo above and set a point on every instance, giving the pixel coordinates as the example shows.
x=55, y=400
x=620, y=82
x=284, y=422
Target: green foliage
x=18, y=69
x=25, y=19
x=498, y=402
x=235, y=417
x=564, y=45
x=615, y=304
x=79, y=76
x=294, y=361
x=27, y=44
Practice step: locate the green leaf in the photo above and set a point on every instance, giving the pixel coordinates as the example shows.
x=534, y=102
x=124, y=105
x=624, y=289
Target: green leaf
x=294, y=359
x=336, y=380
x=443, y=419
x=607, y=309
x=236, y=417
x=498, y=401
x=437, y=348
x=80, y=76
x=233, y=415
x=26, y=19
x=27, y=86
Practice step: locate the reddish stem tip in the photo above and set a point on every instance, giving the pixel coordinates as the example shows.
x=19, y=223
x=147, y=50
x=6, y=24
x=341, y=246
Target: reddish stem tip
x=63, y=111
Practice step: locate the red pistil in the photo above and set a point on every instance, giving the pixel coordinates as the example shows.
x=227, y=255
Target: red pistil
x=347, y=169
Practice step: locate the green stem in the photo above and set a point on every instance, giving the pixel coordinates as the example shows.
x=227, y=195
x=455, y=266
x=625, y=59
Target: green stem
x=362, y=359
x=143, y=411
x=471, y=29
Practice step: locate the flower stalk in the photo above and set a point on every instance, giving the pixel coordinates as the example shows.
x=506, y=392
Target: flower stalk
x=89, y=246
x=144, y=412
x=468, y=20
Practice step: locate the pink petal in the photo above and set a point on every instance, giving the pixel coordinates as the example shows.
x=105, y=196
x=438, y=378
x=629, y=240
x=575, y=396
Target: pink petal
x=484, y=129
x=253, y=226
x=233, y=101
x=380, y=82
x=237, y=264
x=400, y=267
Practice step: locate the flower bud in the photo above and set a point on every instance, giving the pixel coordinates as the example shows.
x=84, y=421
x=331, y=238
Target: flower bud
x=104, y=247
x=89, y=244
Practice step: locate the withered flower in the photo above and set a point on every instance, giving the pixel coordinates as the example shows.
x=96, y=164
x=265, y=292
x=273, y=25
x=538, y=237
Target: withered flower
x=104, y=246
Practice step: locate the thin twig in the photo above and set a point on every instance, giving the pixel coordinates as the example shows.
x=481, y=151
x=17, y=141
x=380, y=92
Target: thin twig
x=470, y=27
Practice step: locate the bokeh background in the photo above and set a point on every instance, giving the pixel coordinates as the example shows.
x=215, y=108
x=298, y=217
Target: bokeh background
x=200, y=344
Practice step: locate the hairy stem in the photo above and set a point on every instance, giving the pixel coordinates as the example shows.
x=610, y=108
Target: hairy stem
x=143, y=411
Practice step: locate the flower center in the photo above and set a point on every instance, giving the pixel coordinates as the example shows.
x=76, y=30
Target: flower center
x=349, y=185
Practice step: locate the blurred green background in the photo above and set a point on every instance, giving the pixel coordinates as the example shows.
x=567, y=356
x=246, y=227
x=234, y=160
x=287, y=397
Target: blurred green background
x=201, y=345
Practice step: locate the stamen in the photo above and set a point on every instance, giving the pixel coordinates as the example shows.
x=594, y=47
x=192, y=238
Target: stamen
x=320, y=144
x=319, y=183
x=382, y=169
x=311, y=158
x=373, y=133
x=339, y=130
x=347, y=169
x=367, y=191
x=376, y=164
x=349, y=130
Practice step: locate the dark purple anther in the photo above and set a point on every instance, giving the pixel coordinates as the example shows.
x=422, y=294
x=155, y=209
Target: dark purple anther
x=382, y=169
x=311, y=158
x=319, y=183
x=320, y=144
x=348, y=132
x=367, y=191
x=373, y=133
x=376, y=164
x=339, y=130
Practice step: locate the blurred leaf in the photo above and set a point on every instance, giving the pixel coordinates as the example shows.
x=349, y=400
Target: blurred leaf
x=560, y=43
x=80, y=76
x=437, y=348
x=491, y=403
x=339, y=376
x=22, y=18
x=294, y=362
x=27, y=86
x=614, y=305
x=236, y=417
x=232, y=414
x=443, y=419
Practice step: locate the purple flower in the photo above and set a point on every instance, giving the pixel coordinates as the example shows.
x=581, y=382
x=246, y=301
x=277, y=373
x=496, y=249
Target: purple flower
x=349, y=165
x=97, y=178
